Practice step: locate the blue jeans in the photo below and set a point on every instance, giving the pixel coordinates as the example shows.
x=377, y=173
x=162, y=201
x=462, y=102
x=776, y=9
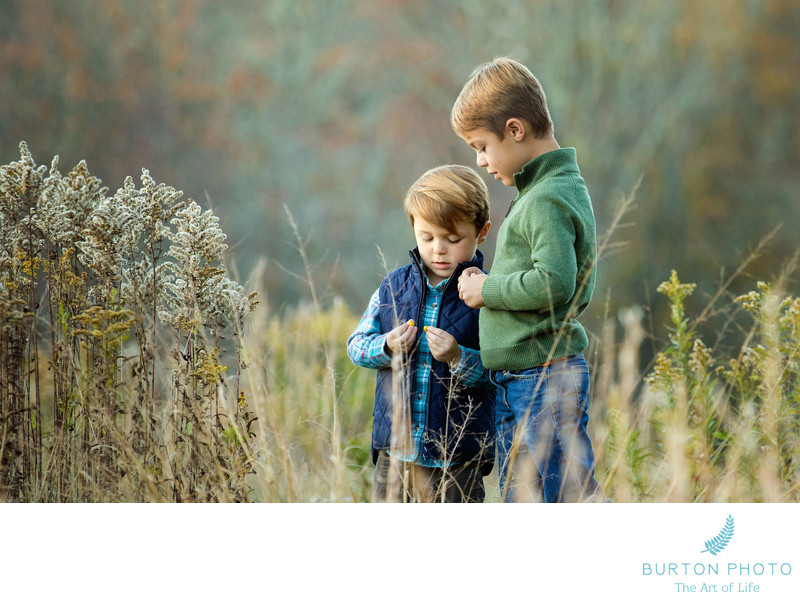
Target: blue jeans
x=545, y=408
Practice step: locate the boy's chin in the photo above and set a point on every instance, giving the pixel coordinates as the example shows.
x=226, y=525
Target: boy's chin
x=441, y=274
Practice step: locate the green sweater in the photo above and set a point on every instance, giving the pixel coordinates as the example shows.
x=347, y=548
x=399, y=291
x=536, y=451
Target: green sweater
x=543, y=274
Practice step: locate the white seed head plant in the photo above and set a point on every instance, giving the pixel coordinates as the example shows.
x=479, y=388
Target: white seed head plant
x=199, y=293
x=107, y=267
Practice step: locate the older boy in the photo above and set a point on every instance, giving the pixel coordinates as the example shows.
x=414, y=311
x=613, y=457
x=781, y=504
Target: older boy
x=542, y=279
x=433, y=421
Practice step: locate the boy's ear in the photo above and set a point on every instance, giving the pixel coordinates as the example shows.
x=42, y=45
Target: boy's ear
x=516, y=129
x=484, y=231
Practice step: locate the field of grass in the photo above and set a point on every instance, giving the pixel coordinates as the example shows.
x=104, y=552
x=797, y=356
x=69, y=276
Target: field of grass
x=695, y=427
x=133, y=369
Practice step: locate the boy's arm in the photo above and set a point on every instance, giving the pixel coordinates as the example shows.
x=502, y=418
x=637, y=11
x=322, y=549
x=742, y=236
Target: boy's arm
x=551, y=280
x=470, y=371
x=366, y=347
x=465, y=364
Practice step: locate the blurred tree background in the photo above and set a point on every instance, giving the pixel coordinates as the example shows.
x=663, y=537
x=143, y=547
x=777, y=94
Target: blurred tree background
x=332, y=109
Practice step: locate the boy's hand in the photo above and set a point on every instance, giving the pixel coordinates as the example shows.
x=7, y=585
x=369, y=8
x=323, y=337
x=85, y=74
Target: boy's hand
x=470, y=284
x=401, y=339
x=443, y=346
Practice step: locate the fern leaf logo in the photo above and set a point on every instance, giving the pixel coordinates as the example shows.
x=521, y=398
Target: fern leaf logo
x=721, y=540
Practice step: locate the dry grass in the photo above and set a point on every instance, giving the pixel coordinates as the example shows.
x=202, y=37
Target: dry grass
x=134, y=373
x=693, y=428
x=703, y=426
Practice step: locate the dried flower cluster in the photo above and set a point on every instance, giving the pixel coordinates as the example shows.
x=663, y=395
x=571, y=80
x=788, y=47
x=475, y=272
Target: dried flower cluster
x=199, y=292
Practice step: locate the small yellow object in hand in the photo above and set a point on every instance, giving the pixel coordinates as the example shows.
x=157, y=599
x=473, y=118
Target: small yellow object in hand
x=411, y=322
x=425, y=329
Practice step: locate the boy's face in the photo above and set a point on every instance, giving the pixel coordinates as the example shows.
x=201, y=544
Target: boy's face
x=442, y=250
x=502, y=157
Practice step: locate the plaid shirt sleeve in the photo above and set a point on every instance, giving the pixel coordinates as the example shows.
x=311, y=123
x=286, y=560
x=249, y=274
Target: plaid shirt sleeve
x=366, y=346
x=470, y=371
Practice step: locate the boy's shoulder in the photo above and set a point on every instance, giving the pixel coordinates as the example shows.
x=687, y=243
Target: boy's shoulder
x=400, y=271
x=399, y=278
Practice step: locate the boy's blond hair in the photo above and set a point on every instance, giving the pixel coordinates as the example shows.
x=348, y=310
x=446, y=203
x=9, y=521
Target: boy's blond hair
x=448, y=195
x=498, y=91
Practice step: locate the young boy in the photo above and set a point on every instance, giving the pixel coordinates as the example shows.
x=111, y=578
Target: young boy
x=433, y=421
x=542, y=279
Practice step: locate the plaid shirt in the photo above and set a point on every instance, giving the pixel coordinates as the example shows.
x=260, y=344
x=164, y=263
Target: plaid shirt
x=366, y=347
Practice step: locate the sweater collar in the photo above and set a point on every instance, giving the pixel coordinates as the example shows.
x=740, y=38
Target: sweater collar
x=542, y=166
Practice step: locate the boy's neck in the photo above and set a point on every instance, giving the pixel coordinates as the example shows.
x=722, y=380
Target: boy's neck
x=433, y=279
x=540, y=146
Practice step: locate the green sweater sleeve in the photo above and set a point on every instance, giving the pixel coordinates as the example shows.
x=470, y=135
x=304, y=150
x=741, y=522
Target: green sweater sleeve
x=541, y=268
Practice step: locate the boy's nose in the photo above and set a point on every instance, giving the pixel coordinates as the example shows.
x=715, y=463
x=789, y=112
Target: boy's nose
x=482, y=162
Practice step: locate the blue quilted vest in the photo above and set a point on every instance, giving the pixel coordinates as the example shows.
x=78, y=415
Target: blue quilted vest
x=460, y=420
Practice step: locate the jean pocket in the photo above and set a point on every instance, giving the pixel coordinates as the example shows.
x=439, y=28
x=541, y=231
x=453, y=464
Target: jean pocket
x=571, y=389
